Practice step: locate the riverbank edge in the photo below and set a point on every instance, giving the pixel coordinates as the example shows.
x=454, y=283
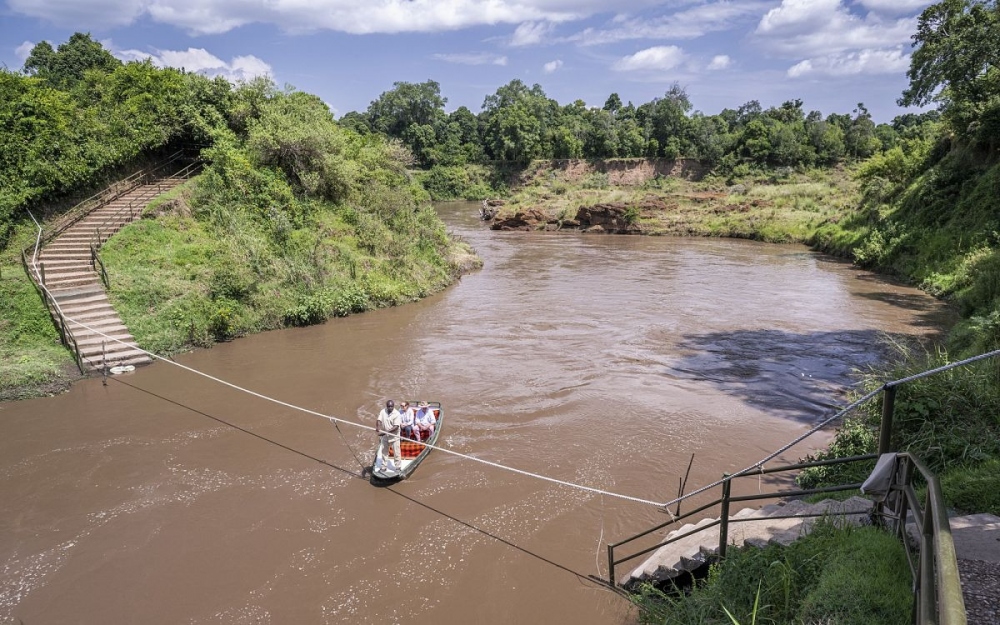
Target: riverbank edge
x=48, y=367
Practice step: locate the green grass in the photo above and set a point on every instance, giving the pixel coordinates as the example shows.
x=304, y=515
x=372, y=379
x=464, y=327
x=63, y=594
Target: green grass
x=32, y=360
x=792, y=210
x=835, y=575
x=180, y=281
x=974, y=488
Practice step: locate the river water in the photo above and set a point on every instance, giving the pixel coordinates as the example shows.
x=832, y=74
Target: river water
x=606, y=361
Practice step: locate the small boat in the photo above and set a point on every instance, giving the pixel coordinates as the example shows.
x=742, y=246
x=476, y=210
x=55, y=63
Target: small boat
x=413, y=453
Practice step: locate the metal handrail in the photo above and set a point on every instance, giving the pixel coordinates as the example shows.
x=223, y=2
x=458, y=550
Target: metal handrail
x=95, y=262
x=36, y=270
x=108, y=194
x=724, y=502
x=937, y=584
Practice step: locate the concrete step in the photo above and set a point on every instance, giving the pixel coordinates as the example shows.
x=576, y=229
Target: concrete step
x=85, y=294
x=112, y=349
x=98, y=328
x=61, y=273
x=79, y=310
x=132, y=357
x=87, y=340
x=83, y=256
x=747, y=527
x=54, y=284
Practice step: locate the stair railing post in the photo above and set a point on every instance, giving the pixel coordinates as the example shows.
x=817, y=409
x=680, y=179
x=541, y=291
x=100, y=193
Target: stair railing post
x=104, y=361
x=724, y=515
x=41, y=267
x=611, y=566
x=885, y=430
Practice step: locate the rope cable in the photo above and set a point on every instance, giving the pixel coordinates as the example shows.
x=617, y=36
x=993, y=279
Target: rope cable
x=335, y=420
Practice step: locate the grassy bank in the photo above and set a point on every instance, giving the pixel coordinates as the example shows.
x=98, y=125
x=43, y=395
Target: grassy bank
x=192, y=273
x=293, y=221
x=780, y=207
x=813, y=580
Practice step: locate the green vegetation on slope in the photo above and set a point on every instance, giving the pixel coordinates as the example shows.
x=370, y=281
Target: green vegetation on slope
x=292, y=222
x=294, y=219
x=930, y=212
x=814, y=580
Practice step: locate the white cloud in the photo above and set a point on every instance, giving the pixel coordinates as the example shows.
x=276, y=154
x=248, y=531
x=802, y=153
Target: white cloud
x=552, y=66
x=80, y=15
x=851, y=64
x=201, y=61
x=895, y=7
x=720, y=61
x=689, y=24
x=657, y=58
x=531, y=33
x=800, y=28
x=22, y=51
x=350, y=16
x=472, y=58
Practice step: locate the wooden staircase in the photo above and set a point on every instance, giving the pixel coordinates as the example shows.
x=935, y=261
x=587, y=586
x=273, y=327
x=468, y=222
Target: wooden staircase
x=73, y=277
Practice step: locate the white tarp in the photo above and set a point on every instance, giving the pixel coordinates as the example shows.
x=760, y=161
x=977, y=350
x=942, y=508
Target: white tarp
x=877, y=484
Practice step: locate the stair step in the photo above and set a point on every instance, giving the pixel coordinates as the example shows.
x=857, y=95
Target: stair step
x=88, y=310
x=110, y=326
x=94, y=351
x=82, y=296
x=136, y=358
x=92, y=343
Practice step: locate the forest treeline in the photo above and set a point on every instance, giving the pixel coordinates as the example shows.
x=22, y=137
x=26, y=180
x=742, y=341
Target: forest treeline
x=520, y=123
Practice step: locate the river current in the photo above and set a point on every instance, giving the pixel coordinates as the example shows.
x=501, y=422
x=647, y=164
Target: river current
x=605, y=361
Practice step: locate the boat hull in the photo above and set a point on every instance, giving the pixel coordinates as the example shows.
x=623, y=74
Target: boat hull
x=413, y=453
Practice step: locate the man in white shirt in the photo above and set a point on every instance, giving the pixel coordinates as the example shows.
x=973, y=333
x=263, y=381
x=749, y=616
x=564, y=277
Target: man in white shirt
x=425, y=420
x=407, y=417
x=387, y=426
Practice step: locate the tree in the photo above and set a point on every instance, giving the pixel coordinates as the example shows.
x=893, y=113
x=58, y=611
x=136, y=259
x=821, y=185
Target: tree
x=517, y=122
x=406, y=104
x=613, y=104
x=956, y=49
x=64, y=68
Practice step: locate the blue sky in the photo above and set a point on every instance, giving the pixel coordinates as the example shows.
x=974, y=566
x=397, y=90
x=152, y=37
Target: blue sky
x=832, y=54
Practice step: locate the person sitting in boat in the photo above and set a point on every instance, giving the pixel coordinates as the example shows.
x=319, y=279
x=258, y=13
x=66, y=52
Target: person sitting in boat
x=425, y=421
x=407, y=421
x=387, y=426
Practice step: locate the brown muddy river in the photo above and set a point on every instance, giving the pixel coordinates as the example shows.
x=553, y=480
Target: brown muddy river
x=605, y=361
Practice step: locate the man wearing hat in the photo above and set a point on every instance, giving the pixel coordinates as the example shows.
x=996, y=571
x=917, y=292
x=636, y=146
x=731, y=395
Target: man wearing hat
x=387, y=426
x=424, y=421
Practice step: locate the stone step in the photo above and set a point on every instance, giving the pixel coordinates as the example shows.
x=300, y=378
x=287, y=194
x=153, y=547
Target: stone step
x=756, y=527
x=54, y=284
x=87, y=340
x=87, y=310
x=99, y=328
x=93, y=350
x=81, y=294
x=82, y=256
x=131, y=357
x=63, y=272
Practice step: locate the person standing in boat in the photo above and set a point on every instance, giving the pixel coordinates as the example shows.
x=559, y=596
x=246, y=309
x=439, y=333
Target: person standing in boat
x=425, y=420
x=407, y=418
x=387, y=426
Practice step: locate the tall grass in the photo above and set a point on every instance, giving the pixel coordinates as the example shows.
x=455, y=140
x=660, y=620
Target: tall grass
x=844, y=575
x=951, y=420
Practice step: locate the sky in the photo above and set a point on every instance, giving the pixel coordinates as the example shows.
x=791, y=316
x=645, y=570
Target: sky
x=831, y=54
